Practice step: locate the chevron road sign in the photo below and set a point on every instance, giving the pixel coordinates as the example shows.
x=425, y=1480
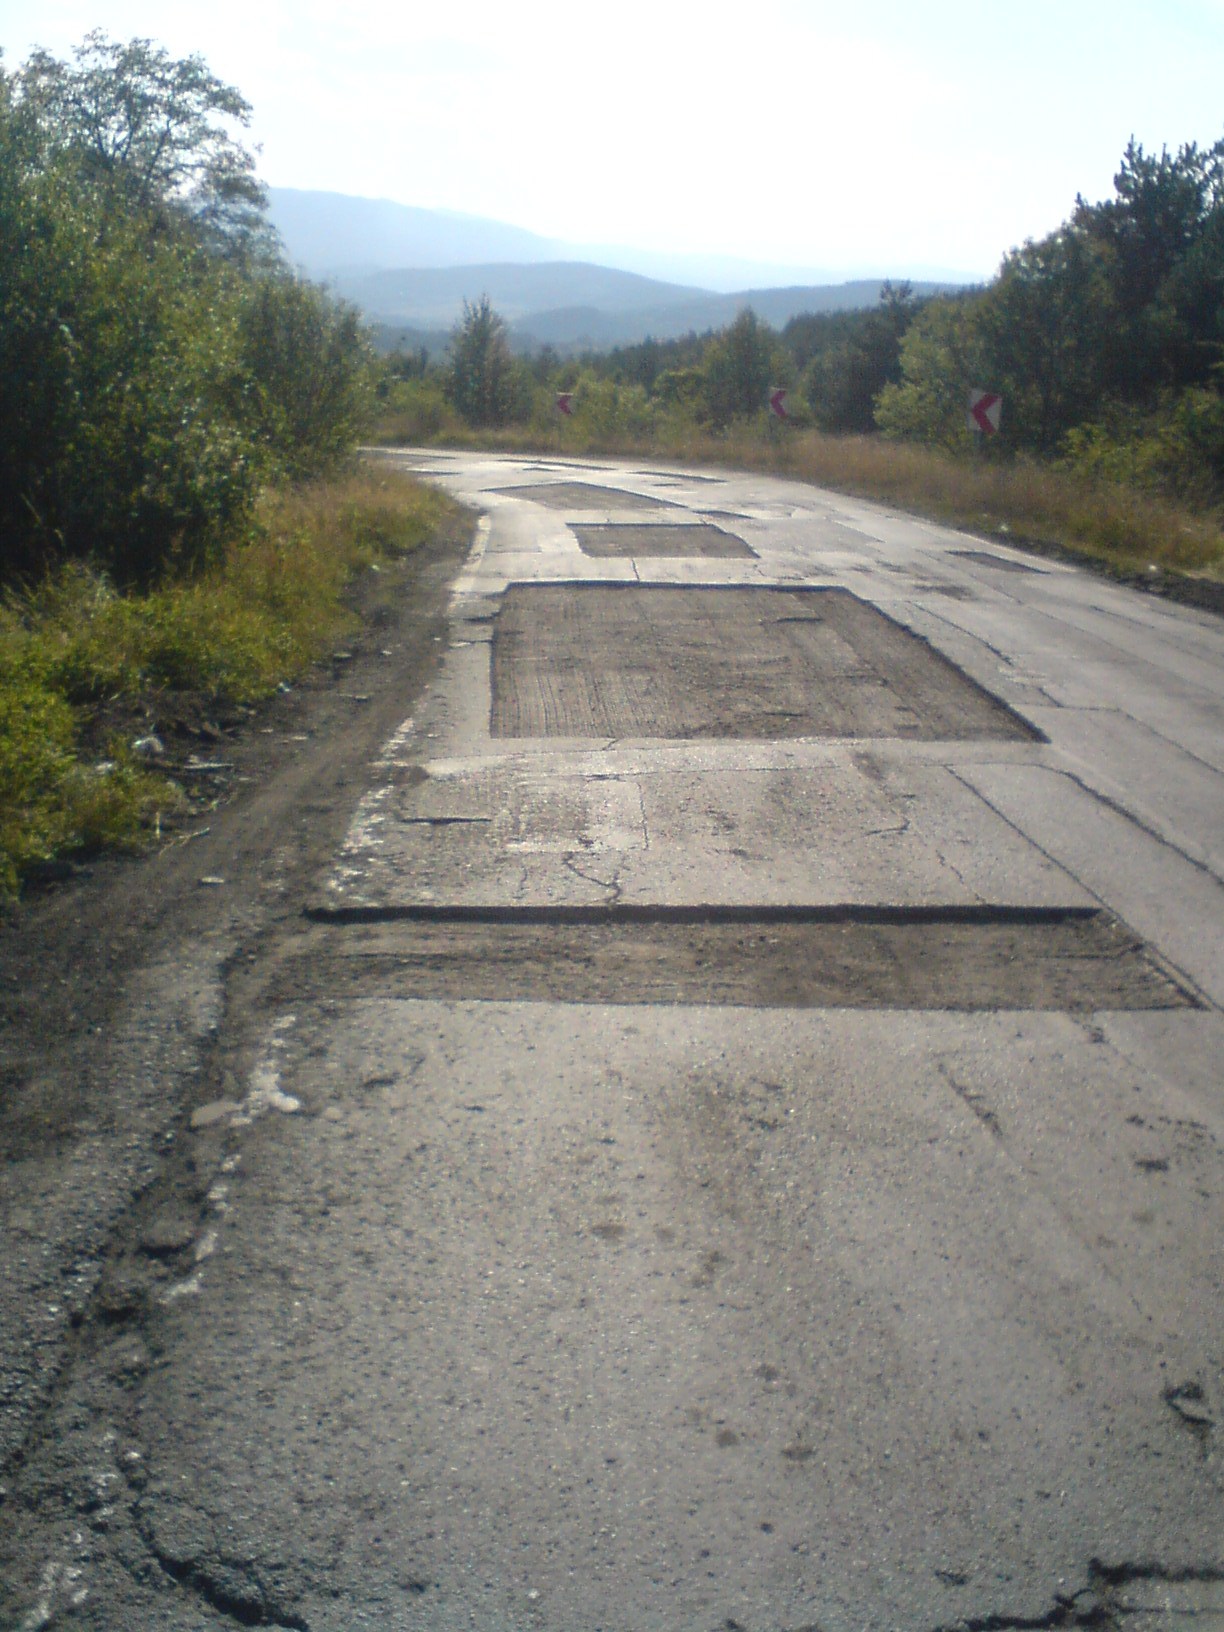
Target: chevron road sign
x=985, y=411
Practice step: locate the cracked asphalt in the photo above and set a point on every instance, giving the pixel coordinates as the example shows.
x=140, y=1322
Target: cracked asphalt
x=716, y=1125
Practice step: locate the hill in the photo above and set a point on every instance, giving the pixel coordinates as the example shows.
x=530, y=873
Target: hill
x=412, y=270
x=573, y=304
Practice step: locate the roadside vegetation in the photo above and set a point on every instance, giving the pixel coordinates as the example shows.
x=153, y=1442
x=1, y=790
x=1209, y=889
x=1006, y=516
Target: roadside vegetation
x=1105, y=341
x=180, y=514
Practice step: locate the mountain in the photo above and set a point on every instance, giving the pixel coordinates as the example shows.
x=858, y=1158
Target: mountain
x=428, y=296
x=326, y=233
x=329, y=233
x=411, y=270
x=688, y=313
x=570, y=304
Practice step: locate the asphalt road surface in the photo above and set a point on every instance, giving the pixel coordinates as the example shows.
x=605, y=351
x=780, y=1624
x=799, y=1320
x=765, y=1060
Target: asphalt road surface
x=735, y=1139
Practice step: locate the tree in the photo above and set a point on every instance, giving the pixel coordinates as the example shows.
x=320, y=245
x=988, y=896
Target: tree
x=151, y=376
x=1047, y=326
x=154, y=134
x=739, y=366
x=1160, y=244
x=843, y=382
x=943, y=357
x=303, y=376
x=482, y=375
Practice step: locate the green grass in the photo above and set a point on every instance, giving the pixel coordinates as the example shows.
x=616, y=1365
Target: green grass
x=74, y=652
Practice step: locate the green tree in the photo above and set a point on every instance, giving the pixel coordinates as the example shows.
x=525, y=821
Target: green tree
x=739, y=366
x=1045, y=326
x=943, y=357
x=1160, y=244
x=154, y=133
x=304, y=373
x=843, y=382
x=153, y=373
x=482, y=373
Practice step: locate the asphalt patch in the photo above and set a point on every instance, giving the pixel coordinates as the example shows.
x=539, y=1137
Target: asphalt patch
x=985, y=558
x=725, y=662
x=620, y=539
x=932, y=959
x=583, y=496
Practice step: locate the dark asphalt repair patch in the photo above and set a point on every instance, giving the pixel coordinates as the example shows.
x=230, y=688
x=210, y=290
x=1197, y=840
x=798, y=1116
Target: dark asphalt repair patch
x=1071, y=961
x=659, y=539
x=583, y=496
x=725, y=662
x=984, y=558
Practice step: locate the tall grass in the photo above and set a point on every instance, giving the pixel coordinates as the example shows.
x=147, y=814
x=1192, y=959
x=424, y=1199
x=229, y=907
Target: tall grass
x=73, y=650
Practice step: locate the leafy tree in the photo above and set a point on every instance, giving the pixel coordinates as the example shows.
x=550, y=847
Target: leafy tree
x=739, y=367
x=303, y=374
x=153, y=371
x=943, y=357
x=843, y=382
x=1046, y=325
x=153, y=133
x=1160, y=244
x=482, y=373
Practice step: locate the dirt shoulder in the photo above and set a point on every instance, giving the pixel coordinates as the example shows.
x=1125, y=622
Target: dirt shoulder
x=116, y=982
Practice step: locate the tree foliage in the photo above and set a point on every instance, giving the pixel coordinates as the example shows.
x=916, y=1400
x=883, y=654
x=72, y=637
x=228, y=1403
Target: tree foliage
x=482, y=371
x=738, y=368
x=156, y=135
x=1106, y=338
x=156, y=364
x=843, y=381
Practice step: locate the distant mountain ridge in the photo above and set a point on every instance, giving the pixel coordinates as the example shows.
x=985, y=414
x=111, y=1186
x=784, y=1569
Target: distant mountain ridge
x=413, y=269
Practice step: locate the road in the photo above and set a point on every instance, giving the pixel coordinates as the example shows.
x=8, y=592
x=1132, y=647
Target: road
x=736, y=1138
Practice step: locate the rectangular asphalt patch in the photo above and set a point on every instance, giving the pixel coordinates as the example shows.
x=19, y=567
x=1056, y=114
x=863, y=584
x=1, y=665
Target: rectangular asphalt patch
x=619, y=539
x=584, y=496
x=1075, y=962
x=724, y=662
x=985, y=558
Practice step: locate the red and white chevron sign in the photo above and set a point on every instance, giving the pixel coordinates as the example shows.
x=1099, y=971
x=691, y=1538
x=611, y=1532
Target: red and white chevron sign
x=777, y=402
x=565, y=403
x=985, y=411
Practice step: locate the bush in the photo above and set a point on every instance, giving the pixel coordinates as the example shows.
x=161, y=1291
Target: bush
x=415, y=411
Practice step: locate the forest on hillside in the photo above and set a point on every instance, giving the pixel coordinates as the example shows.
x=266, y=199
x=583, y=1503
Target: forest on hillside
x=1105, y=341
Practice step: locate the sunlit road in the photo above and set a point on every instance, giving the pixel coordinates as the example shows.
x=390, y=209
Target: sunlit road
x=738, y=1140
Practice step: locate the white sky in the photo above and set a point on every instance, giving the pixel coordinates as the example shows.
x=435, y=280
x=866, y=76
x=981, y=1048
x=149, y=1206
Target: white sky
x=883, y=137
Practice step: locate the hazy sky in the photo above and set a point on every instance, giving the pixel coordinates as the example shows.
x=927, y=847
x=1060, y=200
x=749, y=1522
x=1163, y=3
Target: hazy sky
x=885, y=137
